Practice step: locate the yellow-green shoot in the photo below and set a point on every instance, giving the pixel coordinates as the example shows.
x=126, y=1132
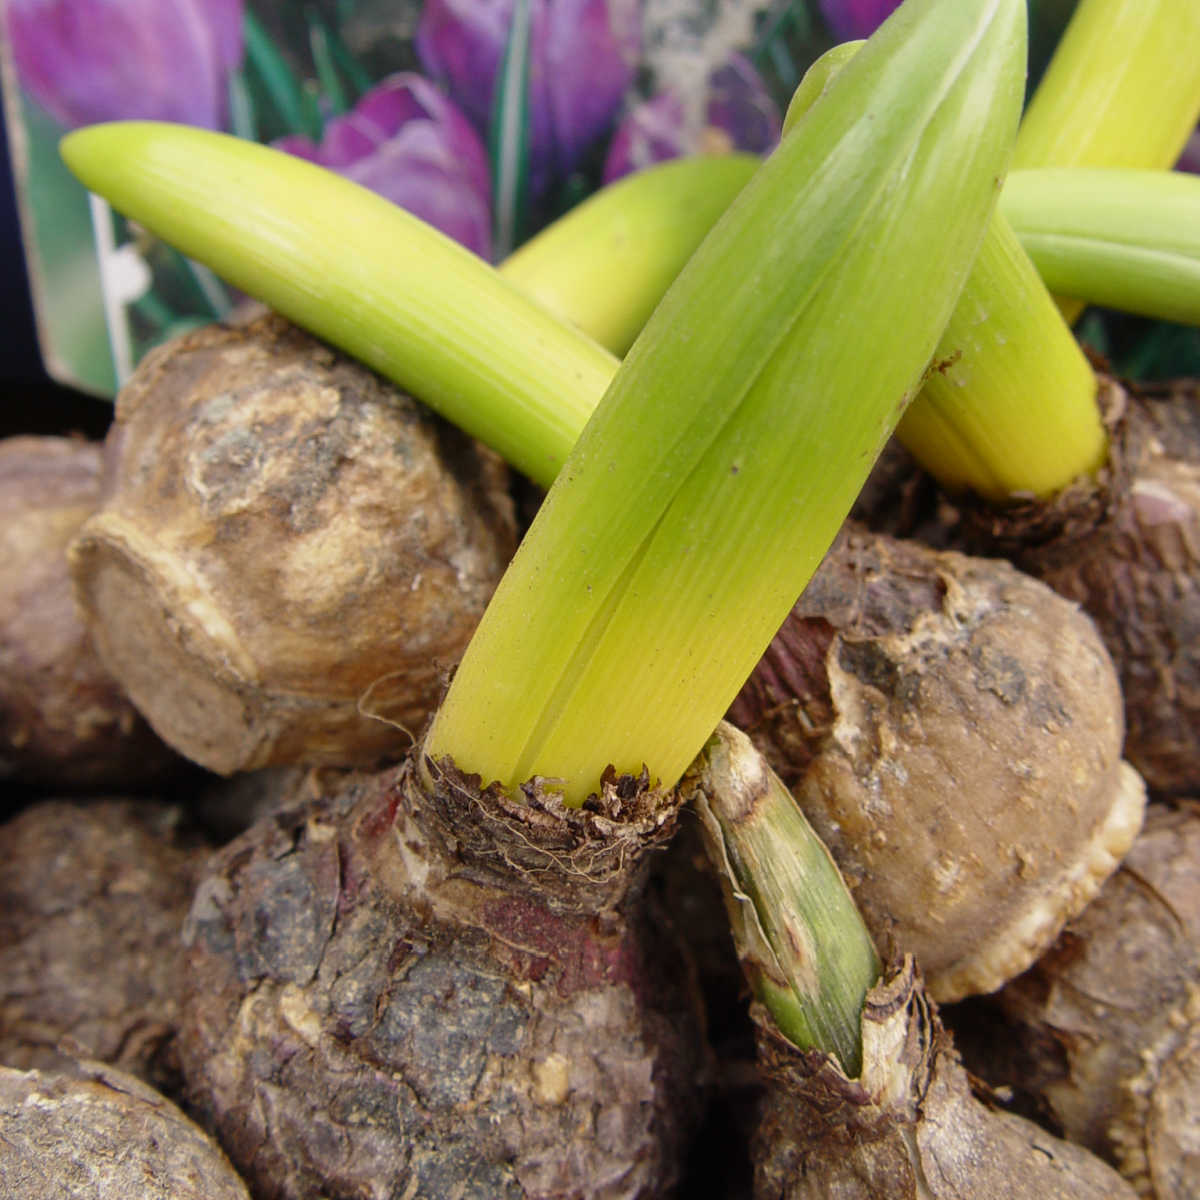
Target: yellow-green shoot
x=743, y=422
x=1008, y=407
x=1122, y=90
x=363, y=274
x=516, y=364
x=1125, y=238
x=606, y=264
x=1010, y=411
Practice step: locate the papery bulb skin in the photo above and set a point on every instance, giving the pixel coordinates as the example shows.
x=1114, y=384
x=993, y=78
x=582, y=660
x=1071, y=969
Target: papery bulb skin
x=1125, y=547
x=291, y=552
x=1101, y=1034
x=90, y=955
x=953, y=730
x=902, y=1122
x=84, y=1129
x=417, y=985
x=909, y=1128
x=66, y=724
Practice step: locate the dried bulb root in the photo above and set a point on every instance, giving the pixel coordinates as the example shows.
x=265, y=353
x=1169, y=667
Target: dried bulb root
x=1127, y=549
x=92, y=902
x=64, y=721
x=953, y=730
x=908, y=1128
x=91, y=1132
x=289, y=549
x=1104, y=1026
x=415, y=987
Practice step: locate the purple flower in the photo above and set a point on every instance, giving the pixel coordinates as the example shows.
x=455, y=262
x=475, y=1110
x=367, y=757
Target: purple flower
x=103, y=60
x=852, y=19
x=1189, y=160
x=582, y=58
x=407, y=142
x=739, y=115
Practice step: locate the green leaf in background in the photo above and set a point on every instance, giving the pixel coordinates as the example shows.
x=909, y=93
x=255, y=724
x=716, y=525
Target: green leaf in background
x=271, y=69
x=64, y=274
x=508, y=136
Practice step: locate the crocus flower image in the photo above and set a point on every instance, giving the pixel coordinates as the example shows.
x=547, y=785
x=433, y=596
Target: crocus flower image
x=1189, y=160
x=739, y=114
x=409, y=143
x=582, y=59
x=851, y=19
x=103, y=60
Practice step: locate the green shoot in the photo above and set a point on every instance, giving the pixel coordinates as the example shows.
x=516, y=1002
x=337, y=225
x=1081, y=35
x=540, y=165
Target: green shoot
x=1122, y=90
x=606, y=264
x=1124, y=238
x=742, y=424
x=361, y=273
x=405, y=300
x=800, y=937
x=1009, y=405
x=1009, y=408
x=1011, y=411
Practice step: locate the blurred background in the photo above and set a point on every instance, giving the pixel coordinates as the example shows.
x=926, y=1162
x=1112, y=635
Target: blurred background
x=411, y=99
